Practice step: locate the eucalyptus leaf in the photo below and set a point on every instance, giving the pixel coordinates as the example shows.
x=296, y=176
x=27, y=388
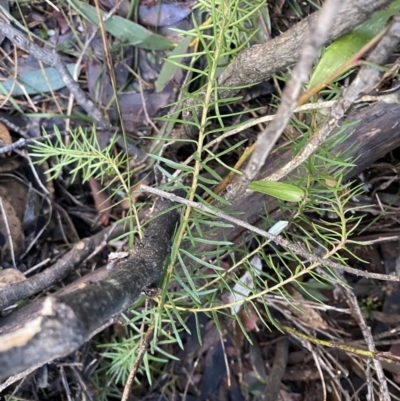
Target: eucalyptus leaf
x=126, y=31
x=168, y=69
x=34, y=82
x=279, y=190
x=344, y=48
x=172, y=164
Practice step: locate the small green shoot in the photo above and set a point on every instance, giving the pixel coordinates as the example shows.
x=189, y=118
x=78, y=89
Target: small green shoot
x=279, y=190
x=342, y=49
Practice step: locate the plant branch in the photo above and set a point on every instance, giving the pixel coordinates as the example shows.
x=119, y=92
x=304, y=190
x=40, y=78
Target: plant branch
x=144, y=344
x=297, y=249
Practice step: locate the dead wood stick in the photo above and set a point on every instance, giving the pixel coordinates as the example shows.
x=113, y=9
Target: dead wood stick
x=267, y=138
x=59, y=324
x=260, y=61
x=39, y=282
x=54, y=60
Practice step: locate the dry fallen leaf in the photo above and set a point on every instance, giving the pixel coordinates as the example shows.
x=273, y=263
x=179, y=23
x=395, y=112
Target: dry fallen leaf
x=309, y=316
x=10, y=276
x=5, y=137
x=249, y=318
x=101, y=201
x=135, y=194
x=10, y=219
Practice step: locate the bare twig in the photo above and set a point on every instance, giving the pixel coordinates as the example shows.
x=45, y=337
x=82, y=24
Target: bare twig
x=54, y=60
x=81, y=55
x=353, y=304
x=18, y=376
x=365, y=81
x=86, y=389
x=267, y=139
x=32, y=269
x=64, y=381
x=39, y=282
x=297, y=249
x=144, y=343
x=317, y=360
x=14, y=127
x=110, y=66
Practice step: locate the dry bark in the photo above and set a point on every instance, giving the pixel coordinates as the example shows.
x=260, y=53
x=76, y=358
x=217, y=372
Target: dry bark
x=65, y=265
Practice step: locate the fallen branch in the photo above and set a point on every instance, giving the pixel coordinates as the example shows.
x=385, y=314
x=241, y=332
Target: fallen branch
x=65, y=265
x=59, y=324
x=365, y=81
x=278, y=370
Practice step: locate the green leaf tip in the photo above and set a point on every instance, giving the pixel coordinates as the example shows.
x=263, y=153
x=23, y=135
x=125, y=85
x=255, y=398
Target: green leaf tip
x=345, y=47
x=279, y=190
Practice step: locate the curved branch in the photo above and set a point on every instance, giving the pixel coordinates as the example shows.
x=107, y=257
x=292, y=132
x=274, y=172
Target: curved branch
x=59, y=324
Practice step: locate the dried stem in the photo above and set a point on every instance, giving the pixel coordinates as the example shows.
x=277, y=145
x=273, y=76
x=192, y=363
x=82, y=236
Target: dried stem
x=365, y=81
x=267, y=138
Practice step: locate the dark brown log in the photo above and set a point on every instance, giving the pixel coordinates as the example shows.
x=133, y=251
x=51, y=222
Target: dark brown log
x=377, y=133
x=61, y=323
x=64, y=266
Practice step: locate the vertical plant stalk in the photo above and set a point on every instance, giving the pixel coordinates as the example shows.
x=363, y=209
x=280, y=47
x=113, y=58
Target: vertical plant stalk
x=355, y=308
x=220, y=26
x=267, y=138
x=110, y=65
x=144, y=343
